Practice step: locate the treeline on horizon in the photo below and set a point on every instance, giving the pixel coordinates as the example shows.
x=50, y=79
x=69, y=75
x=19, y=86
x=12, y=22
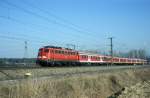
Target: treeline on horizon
x=17, y=61
x=135, y=53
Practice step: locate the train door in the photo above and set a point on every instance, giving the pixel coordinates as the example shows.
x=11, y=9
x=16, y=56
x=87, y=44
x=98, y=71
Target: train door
x=89, y=58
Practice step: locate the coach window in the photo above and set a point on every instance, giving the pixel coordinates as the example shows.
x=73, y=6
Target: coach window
x=59, y=51
x=66, y=52
x=103, y=58
x=95, y=58
x=70, y=53
x=62, y=52
x=73, y=53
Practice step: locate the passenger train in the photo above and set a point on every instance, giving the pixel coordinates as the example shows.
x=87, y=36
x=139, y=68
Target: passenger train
x=58, y=56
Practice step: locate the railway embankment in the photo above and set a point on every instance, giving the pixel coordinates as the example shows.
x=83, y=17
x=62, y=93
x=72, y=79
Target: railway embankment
x=108, y=84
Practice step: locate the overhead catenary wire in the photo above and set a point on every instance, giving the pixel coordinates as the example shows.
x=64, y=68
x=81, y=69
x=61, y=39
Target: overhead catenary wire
x=42, y=43
x=20, y=22
x=23, y=23
x=20, y=39
x=55, y=16
x=24, y=35
x=29, y=25
x=46, y=18
x=49, y=20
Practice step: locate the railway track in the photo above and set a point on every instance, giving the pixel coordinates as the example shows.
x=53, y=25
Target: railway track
x=15, y=68
x=40, y=67
x=101, y=69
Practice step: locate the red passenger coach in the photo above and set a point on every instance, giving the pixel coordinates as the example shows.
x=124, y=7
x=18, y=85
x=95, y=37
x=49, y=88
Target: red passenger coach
x=90, y=58
x=50, y=55
x=83, y=58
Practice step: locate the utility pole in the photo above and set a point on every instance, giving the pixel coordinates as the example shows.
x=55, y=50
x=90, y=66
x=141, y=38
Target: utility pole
x=111, y=49
x=25, y=52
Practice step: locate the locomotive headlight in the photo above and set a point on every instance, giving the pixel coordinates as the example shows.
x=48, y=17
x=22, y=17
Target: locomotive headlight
x=44, y=57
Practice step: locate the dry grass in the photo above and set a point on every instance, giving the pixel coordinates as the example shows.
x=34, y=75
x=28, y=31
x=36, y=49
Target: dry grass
x=19, y=73
x=83, y=86
x=44, y=71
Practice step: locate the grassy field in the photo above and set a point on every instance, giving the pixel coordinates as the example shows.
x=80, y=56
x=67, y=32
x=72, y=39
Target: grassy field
x=50, y=71
x=100, y=85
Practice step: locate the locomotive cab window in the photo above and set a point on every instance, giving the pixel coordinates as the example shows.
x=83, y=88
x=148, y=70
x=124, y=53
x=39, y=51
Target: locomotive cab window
x=46, y=50
x=40, y=50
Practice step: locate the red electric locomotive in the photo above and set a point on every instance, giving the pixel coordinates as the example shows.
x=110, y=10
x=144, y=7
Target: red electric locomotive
x=51, y=55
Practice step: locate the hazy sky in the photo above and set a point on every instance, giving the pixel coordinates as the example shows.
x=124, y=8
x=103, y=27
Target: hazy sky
x=85, y=23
